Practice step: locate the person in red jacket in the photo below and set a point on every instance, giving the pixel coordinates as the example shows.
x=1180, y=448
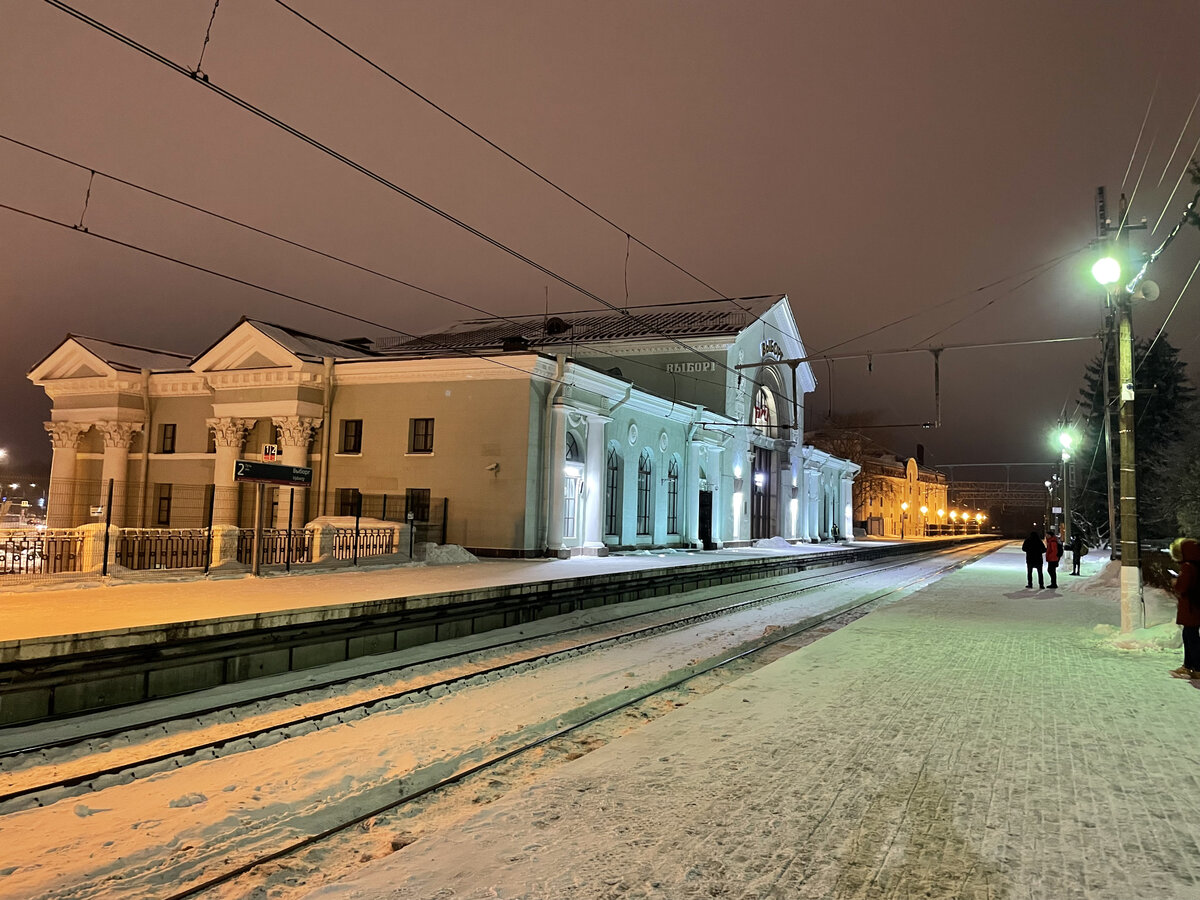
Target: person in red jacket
x=1053, y=555
x=1187, y=595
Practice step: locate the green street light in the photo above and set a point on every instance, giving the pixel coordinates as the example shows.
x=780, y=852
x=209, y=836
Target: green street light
x=1107, y=271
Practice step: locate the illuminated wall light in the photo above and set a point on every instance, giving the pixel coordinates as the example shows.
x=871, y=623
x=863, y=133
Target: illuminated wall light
x=572, y=471
x=759, y=479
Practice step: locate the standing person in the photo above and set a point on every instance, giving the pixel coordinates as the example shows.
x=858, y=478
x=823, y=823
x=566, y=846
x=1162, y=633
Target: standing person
x=1053, y=555
x=1187, y=595
x=1076, y=552
x=1034, y=548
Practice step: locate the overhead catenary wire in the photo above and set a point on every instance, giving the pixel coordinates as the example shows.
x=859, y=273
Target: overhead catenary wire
x=528, y=168
x=250, y=284
x=321, y=253
x=297, y=133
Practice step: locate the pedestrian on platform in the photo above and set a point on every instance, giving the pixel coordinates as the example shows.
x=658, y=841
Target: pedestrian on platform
x=1187, y=595
x=1034, y=548
x=1076, y=552
x=1054, y=553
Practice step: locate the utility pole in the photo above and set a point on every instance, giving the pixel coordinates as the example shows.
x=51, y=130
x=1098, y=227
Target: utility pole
x=1121, y=298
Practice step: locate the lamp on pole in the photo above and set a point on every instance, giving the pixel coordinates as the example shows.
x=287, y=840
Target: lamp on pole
x=1066, y=440
x=1107, y=271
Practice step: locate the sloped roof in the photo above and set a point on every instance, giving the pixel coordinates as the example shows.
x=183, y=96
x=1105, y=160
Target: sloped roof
x=310, y=347
x=707, y=318
x=130, y=358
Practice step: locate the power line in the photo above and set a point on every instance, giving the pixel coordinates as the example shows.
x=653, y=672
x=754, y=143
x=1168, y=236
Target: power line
x=244, y=282
x=532, y=171
x=309, y=249
x=359, y=167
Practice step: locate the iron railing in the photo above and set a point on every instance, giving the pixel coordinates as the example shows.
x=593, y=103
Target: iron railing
x=162, y=548
x=276, y=546
x=40, y=552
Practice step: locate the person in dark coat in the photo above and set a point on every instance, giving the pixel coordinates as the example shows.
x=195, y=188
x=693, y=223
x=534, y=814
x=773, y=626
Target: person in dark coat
x=1054, y=553
x=1034, y=548
x=1187, y=595
x=1076, y=552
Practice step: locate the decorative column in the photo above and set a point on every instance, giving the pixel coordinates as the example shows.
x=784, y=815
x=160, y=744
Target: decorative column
x=594, y=473
x=558, y=458
x=117, y=438
x=691, y=494
x=846, y=507
x=295, y=433
x=229, y=434
x=61, y=498
x=812, y=495
x=715, y=482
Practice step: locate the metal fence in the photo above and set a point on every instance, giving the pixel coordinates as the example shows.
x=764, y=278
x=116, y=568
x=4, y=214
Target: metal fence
x=162, y=548
x=279, y=546
x=32, y=552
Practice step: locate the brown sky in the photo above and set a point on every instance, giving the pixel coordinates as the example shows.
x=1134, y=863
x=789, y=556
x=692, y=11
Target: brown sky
x=871, y=159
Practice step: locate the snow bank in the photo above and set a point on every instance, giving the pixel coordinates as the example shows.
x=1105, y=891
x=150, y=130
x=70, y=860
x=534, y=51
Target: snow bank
x=447, y=554
x=774, y=543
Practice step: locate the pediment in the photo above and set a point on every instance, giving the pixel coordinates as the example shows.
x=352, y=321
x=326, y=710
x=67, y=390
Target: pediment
x=70, y=360
x=245, y=347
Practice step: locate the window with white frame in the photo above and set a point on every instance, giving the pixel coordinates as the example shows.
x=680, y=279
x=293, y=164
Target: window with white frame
x=645, y=506
x=612, y=492
x=673, y=497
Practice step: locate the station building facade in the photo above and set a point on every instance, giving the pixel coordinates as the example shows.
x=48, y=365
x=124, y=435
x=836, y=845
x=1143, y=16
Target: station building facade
x=653, y=427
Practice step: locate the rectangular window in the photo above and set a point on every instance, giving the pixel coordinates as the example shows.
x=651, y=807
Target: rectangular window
x=163, y=505
x=351, y=440
x=166, y=439
x=416, y=501
x=570, y=496
x=420, y=435
x=347, y=501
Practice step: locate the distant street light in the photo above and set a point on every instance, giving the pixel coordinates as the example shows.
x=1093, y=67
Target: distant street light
x=903, y=517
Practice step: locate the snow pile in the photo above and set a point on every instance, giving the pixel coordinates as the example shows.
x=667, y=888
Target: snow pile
x=447, y=554
x=773, y=543
x=1157, y=637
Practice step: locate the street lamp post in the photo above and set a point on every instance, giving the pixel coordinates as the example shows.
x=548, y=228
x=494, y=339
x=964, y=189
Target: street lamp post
x=1107, y=271
x=903, y=518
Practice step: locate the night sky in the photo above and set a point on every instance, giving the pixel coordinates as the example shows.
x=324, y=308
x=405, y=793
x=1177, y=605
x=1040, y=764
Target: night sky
x=873, y=160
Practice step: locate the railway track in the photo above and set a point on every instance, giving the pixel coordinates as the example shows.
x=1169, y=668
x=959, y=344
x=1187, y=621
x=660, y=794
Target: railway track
x=624, y=628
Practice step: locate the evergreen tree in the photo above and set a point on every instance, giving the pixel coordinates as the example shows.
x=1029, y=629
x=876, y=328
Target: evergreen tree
x=1164, y=413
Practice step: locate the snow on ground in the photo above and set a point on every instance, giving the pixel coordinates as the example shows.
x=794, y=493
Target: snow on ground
x=145, y=838
x=40, y=609
x=977, y=740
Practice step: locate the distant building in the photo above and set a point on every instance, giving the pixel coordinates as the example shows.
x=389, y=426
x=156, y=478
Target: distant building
x=562, y=434
x=893, y=496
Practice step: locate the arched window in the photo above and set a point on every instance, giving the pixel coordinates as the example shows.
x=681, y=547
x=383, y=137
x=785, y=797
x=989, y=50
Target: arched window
x=673, y=497
x=645, y=509
x=612, y=492
x=573, y=454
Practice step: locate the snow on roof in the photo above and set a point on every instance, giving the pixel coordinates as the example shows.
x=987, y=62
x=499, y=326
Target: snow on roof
x=310, y=347
x=130, y=358
x=706, y=318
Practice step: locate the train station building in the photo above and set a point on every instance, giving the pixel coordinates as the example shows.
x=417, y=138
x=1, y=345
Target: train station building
x=675, y=426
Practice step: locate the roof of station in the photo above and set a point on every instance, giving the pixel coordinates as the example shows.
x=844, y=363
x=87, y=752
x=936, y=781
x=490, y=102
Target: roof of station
x=668, y=321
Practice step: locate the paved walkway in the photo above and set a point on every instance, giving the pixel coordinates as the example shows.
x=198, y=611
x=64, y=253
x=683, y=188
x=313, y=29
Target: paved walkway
x=976, y=740
x=55, y=608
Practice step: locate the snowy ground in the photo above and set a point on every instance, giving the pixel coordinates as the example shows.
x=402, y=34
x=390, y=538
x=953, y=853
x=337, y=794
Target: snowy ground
x=976, y=740
x=51, y=607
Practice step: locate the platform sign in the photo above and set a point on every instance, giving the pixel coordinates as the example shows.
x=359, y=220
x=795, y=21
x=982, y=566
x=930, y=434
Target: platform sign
x=270, y=452
x=271, y=473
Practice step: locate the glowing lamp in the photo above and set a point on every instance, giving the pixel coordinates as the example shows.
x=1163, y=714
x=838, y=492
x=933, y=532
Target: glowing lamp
x=1106, y=271
x=924, y=509
x=941, y=512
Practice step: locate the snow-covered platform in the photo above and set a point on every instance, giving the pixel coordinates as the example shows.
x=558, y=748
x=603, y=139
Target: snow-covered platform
x=975, y=740
x=55, y=609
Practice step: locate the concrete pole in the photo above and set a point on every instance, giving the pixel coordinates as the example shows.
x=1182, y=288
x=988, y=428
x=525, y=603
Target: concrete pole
x=1131, y=573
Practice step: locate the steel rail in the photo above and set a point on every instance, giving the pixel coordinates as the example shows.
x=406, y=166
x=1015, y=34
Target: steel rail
x=463, y=774
x=189, y=752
